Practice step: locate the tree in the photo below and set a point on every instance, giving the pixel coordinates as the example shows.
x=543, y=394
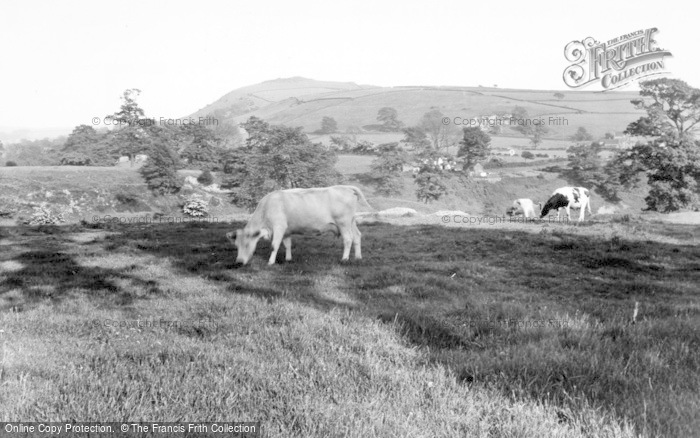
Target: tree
x=586, y=169
x=519, y=113
x=441, y=135
x=200, y=146
x=559, y=95
x=416, y=138
x=609, y=136
x=277, y=157
x=672, y=170
x=82, y=137
x=228, y=134
x=671, y=160
x=537, y=132
x=43, y=152
x=342, y=143
x=533, y=128
x=672, y=107
x=328, y=125
x=130, y=138
x=390, y=119
x=160, y=169
x=87, y=147
x=387, y=168
x=430, y=186
x=475, y=147
x=581, y=135
x=528, y=155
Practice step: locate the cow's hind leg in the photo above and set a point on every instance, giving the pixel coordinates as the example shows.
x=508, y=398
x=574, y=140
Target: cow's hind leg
x=288, y=248
x=347, y=234
x=356, y=240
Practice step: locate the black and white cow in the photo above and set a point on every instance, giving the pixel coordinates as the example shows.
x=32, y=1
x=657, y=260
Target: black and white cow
x=568, y=198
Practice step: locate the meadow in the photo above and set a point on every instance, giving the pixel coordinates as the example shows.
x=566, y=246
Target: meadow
x=529, y=330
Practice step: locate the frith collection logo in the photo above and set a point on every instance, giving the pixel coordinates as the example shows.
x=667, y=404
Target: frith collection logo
x=614, y=63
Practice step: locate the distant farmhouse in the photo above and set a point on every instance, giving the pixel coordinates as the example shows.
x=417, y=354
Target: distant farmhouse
x=138, y=159
x=621, y=141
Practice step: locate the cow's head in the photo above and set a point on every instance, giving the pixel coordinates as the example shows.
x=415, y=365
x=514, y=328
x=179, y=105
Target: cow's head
x=246, y=241
x=553, y=203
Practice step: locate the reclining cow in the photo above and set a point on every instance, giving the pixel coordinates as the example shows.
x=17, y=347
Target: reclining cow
x=285, y=212
x=523, y=206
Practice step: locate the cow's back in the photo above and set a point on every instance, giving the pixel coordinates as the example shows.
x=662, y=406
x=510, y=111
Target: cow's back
x=301, y=209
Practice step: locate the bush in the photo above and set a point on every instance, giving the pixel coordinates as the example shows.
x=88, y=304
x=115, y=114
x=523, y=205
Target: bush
x=160, y=170
x=126, y=199
x=75, y=159
x=363, y=148
x=196, y=207
x=205, y=178
x=10, y=164
x=527, y=155
x=44, y=216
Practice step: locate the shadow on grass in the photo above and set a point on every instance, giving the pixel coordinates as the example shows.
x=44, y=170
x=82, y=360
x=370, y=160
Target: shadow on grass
x=42, y=266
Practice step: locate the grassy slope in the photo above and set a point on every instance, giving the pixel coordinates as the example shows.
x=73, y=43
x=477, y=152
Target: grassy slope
x=84, y=192
x=304, y=102
x=93, y=191
x=418, y=339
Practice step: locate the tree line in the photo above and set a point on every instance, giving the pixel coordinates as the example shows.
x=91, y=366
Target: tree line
x=277, y=157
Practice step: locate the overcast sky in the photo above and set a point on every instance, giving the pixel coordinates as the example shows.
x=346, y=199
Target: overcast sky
x=66, y=62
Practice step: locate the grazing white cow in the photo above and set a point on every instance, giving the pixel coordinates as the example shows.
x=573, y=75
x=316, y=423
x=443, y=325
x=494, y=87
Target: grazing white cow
x=285, y=212
x=523, y=206
x=568, y=198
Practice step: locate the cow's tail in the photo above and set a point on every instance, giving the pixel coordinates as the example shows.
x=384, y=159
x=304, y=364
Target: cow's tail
x=361, y=197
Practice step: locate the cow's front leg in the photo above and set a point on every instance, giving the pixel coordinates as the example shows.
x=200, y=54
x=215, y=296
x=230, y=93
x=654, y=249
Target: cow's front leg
x=277, y=237
x=288, y=248
x=568, y=213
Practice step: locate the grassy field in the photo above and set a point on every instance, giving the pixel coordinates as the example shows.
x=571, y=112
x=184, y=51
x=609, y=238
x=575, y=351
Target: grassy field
x=500, y=330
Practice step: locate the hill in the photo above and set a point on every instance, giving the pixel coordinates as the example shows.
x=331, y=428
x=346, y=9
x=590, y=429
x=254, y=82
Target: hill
x=254, y=97
x=304, y=102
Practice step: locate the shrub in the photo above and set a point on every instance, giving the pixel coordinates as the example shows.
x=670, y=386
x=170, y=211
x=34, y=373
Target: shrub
x=196, y=207
x=75, y=159
x=205, y=178
x=44, y=216
x=126, y=198
x=363, y=148
x=10, y=164
x=527, y=155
